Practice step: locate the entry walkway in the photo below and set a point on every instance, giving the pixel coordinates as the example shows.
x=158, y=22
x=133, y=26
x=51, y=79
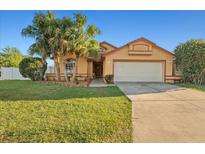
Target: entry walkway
x=99, y=83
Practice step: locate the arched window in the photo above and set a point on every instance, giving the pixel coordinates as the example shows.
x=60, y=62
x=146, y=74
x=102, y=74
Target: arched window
x=70, y=65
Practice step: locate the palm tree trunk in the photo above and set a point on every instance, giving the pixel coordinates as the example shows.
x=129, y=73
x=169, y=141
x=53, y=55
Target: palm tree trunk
x=57, y=67
x=44, y=71
x=75, y=70
x=65, y=73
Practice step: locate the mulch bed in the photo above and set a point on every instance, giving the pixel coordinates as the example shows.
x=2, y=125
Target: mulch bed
x=67, y=84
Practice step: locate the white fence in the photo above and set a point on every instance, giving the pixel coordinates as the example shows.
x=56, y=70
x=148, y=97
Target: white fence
x=11, y=73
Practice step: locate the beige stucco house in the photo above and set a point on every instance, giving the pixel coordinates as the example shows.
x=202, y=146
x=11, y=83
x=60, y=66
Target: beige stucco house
x=140, y=60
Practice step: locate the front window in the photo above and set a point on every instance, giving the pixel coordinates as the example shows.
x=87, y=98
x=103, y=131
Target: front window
x=70, y=65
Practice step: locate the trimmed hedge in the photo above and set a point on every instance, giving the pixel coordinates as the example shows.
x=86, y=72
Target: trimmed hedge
x=33, y=68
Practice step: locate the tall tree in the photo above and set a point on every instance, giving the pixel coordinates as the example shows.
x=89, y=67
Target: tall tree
x=10, y=57
x=81, y=39
x=39, y=48
x=43, y=30
x=59, y=43
x=56, y=37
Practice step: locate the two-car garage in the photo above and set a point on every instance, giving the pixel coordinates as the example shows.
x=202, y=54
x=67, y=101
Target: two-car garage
x=140, y=61
x=138, y=71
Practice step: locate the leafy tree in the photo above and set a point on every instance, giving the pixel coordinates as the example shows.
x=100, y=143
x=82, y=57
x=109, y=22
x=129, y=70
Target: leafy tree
x=56, y=37
x=10, y=57
x=33, y=68
x=59, y=43
x=190, y=59
x=81, y=39
x=49, y=33
x=39, y=48
x=41, y=30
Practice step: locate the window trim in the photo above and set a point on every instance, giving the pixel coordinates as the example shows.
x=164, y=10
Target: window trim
x=70, y=63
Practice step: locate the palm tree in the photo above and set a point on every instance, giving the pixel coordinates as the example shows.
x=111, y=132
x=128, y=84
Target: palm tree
x=81, y=39
x=59, y=43
x=10, y=57
x=56, y=37
x=39, y=48
x=43, y=30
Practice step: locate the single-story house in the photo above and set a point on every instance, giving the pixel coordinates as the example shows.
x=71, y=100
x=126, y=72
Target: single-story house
x=140, y=60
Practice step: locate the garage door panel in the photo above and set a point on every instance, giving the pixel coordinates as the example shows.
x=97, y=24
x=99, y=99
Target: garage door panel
x=138, y=71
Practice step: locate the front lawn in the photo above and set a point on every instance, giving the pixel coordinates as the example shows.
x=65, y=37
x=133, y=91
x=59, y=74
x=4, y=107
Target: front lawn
x=193, y=86
x=34, y=112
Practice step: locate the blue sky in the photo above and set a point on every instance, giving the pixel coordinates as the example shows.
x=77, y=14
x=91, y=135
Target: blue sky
x=165, y=28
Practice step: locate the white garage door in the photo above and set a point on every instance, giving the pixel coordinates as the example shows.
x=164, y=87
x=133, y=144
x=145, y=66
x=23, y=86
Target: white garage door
x=138, y=72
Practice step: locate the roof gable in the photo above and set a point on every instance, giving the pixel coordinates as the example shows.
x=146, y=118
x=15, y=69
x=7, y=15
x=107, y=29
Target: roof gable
x=142, y=39
x=104, y=42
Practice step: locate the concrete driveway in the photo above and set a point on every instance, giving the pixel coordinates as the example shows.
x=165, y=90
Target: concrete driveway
x=166, y=113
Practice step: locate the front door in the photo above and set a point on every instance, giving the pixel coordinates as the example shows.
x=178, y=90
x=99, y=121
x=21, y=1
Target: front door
x=97, y=69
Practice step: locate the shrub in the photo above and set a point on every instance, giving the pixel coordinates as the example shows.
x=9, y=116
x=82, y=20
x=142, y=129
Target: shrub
x=10, y=57
x=33, y=68
x=109, y=78
x=190, y=60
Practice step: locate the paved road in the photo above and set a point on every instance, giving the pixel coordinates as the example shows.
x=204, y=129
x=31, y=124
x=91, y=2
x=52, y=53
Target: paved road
x=166, y=113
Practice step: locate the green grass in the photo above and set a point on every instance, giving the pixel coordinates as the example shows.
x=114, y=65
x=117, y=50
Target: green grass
x=193, y=86
x=34, y=112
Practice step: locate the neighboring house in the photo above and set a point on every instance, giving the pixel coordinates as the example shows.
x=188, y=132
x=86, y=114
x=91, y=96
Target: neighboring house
x=137, y=61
